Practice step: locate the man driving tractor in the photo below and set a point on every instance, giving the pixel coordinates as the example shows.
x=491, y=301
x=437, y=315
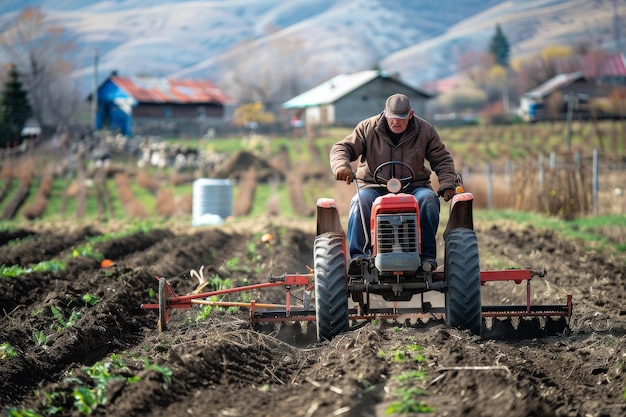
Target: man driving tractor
x=396, y=134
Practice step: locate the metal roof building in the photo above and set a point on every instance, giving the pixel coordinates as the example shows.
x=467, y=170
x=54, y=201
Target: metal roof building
x=346, y=99
x=159, y=105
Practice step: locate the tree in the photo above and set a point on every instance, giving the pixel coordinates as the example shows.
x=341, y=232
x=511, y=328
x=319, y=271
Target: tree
x=270, y=72
x=252, y=114
x=499, y=47
x=39, y=49
x=500, y=50
x=14, y=109
x=543, y=66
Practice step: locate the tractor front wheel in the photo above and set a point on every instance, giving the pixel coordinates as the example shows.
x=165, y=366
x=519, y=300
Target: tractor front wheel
x=462, y=274
x=331, y=294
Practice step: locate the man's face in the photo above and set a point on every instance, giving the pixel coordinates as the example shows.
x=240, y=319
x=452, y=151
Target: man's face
x=399, y=125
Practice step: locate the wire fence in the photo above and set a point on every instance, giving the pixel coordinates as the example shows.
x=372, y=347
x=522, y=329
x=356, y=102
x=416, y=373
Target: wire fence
x=568, y=185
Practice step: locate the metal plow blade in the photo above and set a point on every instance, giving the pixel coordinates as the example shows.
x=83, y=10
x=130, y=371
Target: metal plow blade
x=295, y=333
x=524, y=328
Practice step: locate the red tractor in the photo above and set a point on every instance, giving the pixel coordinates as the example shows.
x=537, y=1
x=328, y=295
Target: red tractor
x=394, y=271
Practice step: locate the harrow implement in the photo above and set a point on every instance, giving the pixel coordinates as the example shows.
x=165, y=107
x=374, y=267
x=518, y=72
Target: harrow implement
x=261, y=312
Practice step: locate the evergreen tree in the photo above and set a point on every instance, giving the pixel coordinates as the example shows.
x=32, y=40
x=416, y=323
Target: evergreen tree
x=499, y=47
x=14, y=110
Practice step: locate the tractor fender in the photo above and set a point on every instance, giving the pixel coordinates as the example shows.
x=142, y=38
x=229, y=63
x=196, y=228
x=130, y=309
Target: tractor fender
x=328, y=220
x=461, y=214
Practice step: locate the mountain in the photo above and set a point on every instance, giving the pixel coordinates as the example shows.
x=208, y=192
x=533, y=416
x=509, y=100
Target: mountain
x=420, y=40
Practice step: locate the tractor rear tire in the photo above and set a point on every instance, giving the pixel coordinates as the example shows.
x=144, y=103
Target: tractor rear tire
x=462, y=274
x=331, y=294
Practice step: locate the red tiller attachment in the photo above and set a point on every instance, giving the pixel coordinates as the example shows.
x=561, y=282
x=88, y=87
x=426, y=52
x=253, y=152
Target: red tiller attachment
x=528, y=310
x=272, y=313
x=518, y=276
x=168, y=299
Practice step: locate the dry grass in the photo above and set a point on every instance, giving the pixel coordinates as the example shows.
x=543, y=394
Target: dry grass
x=178, y=178
x=36, y=209
x=165, y=204
x=247, y=190
x=272, y=206
x=184, y=204
x=133, y=207
x=296, y=196
x=148, y=182
x=501, y=193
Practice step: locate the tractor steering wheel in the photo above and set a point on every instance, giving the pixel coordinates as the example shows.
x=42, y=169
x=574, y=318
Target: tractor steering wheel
x=393, y=184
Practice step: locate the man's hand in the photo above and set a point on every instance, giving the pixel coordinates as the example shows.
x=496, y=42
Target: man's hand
x=447, y=194
x=345, y=174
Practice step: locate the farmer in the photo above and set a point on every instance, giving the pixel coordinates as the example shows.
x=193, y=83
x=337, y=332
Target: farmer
x=395, y=134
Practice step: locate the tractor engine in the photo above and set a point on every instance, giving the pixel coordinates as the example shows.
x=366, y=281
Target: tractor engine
x=395, y=227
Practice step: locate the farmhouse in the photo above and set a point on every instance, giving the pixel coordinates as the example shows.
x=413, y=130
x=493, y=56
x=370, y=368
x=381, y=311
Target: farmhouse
x=589, y=92
x=148, y=105
x=349, y=98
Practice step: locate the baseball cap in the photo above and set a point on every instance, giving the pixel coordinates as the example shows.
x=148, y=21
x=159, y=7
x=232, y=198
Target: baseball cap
x=398, y=106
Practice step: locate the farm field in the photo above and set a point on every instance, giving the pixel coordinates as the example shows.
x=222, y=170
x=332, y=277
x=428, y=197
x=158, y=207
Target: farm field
x=74, y=339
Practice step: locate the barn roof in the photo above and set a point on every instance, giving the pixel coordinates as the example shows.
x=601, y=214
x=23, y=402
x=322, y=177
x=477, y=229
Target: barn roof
x=336, y=88
x=164, y=90
x=605, y=65
x=558, y=82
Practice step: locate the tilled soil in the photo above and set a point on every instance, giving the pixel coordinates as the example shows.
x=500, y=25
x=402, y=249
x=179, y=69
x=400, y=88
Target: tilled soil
x=68, y=349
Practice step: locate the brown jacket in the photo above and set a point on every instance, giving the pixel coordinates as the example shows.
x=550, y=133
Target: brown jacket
x=369, y=142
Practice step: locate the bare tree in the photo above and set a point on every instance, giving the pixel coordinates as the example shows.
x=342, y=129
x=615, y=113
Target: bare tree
x=539, y=68
x=476, y=66
x=270, y=72
x=39, y=48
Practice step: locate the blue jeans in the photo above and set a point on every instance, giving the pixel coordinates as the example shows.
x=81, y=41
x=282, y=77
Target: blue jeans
x=429, y=207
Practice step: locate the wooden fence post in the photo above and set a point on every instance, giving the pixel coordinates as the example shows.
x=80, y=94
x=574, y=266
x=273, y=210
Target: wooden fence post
x=489, y=187
x=595, y=181
x=542, y=173
x=509, y=173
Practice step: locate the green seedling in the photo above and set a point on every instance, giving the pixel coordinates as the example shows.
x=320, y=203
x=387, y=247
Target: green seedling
x=399, y=356
x=411, y=377
x=14, y=412
x=166, y=372
x=218, y=283
x=40, y=338
x=87, y=251
x=7, y=351
x=90, y=299
x=408, y=403
x=65, y=324
x=204, y=313
x=409, y=393
x=415, y=351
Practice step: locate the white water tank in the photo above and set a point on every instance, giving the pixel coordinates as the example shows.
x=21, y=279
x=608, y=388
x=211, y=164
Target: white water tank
x=211, y=197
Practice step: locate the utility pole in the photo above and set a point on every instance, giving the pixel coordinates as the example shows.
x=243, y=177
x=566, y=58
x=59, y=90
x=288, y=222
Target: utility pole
x=616, y=33
x=571, y=101
x=94, y=90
